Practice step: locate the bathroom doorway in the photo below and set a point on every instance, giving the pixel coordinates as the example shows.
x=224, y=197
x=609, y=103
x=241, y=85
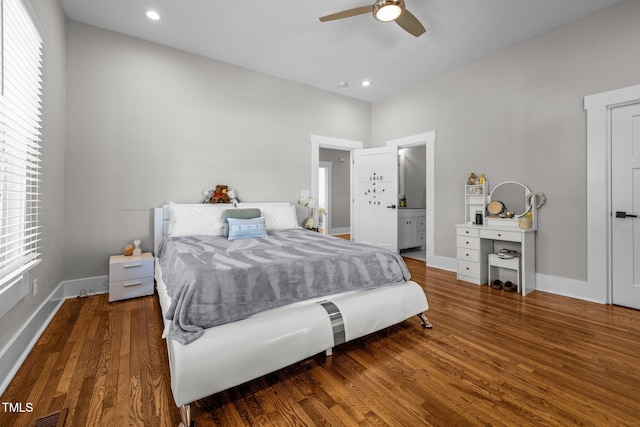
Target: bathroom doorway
x=412, y=195
x=335, y=171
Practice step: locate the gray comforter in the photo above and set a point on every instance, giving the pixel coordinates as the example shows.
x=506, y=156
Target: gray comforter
x=212, y=281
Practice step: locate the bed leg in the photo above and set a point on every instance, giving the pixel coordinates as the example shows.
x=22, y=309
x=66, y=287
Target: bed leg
x=425, y=322
x=185, y=415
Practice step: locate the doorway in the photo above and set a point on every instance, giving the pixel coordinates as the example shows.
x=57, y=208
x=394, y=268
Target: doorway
x=325, y=172
x=428, y=140
x=342, y=149
x=599, y=204
x=413, y=196
x=625, y=204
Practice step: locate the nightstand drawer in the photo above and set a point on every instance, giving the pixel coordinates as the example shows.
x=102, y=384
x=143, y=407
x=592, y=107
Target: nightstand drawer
x=133, y=288
x=129, y=267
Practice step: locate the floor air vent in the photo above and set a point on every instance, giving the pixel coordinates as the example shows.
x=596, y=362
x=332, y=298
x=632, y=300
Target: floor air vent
x=53, y=420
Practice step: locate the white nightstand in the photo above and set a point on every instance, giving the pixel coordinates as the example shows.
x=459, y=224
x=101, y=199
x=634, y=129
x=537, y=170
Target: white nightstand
x=130, y=276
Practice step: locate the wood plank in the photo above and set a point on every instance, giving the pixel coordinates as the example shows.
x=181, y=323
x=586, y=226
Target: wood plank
x=492, y=358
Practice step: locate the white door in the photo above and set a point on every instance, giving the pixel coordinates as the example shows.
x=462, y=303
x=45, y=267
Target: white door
x=625, y=203
x=375, y=172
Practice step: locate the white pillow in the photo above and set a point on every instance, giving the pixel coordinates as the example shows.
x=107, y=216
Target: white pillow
x=278, y=216
x=191, y=219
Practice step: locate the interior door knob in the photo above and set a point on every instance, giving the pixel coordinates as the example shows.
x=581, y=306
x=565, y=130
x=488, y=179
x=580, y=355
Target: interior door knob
x=620, y=214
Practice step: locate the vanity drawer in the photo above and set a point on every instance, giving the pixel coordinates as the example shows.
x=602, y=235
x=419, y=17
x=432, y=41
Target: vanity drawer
x=467, y=231
x=510, y=236
x=468, y=254
x=469, y=268
x=468, y=242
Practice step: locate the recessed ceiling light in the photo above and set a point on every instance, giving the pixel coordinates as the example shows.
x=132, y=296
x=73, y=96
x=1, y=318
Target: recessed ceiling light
x=152, y=14
x=365, y=83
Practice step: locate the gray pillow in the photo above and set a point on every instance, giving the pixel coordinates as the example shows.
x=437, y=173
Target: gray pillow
x=248, y=213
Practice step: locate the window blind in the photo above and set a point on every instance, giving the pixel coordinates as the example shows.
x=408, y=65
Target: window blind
x=20, y=85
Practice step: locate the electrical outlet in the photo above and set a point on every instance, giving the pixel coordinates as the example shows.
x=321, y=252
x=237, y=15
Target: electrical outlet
x=35, y=287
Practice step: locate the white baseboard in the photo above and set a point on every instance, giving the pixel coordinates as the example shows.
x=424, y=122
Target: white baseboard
x=442, y=262
x=86, y=287
x=578, y=289
x=16, y=351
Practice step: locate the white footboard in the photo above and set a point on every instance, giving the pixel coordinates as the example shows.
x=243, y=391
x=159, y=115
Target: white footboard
x=234, y=353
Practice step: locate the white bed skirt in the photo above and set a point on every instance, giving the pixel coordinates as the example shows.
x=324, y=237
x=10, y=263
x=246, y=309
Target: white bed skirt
x=231, y=354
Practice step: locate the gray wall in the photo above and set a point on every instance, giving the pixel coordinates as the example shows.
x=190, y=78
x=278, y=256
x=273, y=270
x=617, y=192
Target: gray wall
x=415, y=176
x=518, y=115
x=340, y=188
x=150, y=124
x=49, y=271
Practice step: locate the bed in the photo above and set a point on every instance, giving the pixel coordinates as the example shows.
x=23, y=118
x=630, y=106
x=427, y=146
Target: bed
x=254, y=331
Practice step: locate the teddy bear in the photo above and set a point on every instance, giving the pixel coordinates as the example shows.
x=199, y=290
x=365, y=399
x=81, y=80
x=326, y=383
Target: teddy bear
x=472, y=180
x=220, y=195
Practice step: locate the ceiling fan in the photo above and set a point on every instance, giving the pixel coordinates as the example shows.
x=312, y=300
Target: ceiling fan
x=384, y=10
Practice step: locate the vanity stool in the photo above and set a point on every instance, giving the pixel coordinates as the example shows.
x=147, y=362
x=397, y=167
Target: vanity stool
x=509, y=263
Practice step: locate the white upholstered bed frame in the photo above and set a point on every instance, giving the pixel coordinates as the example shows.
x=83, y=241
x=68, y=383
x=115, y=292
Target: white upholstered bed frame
x=234, y=353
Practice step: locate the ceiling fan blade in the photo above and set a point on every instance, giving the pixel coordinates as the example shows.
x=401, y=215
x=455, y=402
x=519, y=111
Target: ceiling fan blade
x=410, y=23
x=347, y=13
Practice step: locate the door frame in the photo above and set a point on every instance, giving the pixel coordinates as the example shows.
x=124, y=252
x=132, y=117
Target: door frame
x=329, y=184
x=599, y=221
x=428, y=139
x=318, y=142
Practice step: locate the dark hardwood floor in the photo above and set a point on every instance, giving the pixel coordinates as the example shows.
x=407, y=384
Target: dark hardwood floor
x=492, y=358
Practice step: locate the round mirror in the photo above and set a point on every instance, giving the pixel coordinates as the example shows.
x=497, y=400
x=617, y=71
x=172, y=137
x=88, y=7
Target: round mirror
x=513, y=195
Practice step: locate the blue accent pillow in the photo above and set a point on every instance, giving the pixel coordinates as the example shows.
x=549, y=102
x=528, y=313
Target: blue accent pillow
x=246, y=228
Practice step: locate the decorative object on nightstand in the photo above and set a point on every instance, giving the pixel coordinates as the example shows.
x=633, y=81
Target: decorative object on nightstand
x=137, y=251
x=128, y=250
x=130, y=276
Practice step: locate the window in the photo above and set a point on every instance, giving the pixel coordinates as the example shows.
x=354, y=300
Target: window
x=20, y=45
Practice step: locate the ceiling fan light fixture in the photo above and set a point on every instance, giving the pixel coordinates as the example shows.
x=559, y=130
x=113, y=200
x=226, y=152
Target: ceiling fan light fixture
x=387, y=10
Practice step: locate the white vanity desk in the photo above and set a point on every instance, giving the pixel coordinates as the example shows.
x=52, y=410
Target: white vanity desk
x=498, y=229
x=476, y=242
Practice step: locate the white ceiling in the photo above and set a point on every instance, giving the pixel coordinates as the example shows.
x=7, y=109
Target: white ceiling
x=284, y=38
